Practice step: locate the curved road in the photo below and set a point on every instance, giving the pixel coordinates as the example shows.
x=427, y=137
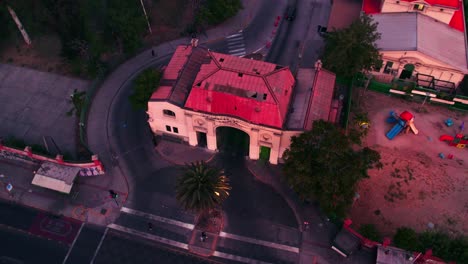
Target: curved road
x=122, y=139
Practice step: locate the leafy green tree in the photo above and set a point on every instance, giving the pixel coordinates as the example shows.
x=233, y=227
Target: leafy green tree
x=127, y=23
x=321, y=164
x=370, y=231
x=407, y=238
x=213, y=12
x=202, y=187
x=353, y=49
x=143, y=87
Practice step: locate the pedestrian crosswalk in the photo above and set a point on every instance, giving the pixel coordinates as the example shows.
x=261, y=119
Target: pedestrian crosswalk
x=235, y=43
x=177, y=234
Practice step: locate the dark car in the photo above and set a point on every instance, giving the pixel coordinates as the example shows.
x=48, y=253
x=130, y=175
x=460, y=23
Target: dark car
x=290, y=13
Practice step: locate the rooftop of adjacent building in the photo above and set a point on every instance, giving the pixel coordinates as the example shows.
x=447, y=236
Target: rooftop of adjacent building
x=424, y=34
x=312, y=99
x=457, y=22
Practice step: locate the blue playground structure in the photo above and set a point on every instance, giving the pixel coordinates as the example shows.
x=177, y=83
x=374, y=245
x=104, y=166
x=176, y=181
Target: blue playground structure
x=402, y=122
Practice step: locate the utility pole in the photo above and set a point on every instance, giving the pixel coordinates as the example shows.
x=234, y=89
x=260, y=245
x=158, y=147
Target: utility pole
x=19, y=25
x=146, y=16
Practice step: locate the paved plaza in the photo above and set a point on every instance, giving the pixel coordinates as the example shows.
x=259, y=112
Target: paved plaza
x=33, y=105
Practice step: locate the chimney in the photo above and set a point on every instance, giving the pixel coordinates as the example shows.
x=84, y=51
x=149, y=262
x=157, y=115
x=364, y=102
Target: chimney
x=318, y=65
x=194, y=42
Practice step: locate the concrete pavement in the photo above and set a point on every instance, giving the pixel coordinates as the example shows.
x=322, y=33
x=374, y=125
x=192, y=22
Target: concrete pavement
x=33, y=105
x=181, y=153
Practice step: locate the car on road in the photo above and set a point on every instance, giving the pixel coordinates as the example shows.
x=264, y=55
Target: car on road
x=290, y=13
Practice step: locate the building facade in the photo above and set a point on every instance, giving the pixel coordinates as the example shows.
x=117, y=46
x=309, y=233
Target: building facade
x=421, y=41
x=202, y=91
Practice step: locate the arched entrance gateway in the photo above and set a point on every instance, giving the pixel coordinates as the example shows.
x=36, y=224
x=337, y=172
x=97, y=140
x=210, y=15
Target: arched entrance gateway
x=232, y=140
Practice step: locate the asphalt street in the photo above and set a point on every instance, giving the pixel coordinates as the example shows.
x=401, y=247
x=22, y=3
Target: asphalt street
x=19, y=247
x=120, y=248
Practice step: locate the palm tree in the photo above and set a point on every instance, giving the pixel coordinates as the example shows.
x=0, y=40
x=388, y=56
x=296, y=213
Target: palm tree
x=202, y=187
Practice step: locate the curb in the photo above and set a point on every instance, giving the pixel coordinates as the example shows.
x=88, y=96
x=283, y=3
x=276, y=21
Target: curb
x=166, y=158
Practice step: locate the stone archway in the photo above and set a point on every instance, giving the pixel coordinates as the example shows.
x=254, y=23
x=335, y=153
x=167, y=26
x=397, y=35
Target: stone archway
x=407, y=71
x=232, y=140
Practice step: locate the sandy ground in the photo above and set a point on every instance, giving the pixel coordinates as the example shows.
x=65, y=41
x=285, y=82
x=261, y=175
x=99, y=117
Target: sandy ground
x=415, y=187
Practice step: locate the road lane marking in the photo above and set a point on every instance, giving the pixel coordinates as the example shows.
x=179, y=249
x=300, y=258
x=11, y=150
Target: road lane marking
x=157, y=218
x=99, y=246
x=238, y=258
x=239, y=54
x=260, y=242
x=235, y=45
x=234, y=35
x=149, y=236
x=73, y=243
x=236, y=50
x=180, y=244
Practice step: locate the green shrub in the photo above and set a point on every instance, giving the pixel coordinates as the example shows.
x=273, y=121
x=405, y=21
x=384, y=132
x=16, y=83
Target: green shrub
x=213, y=12
x=14, y=143
x=143, y=87
x=407, y=238
x=370, y=231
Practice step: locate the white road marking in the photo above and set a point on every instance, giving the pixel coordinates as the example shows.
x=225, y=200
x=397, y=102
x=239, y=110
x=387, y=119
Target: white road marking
x=260, y=242
x=239, y=54
x=157, y=218
x=73, y=243
x=234, y=35
x=238, y=258
x=236, y=45
x=181, y=245
x=236, y=50
x=99, y=246
x=149, y=236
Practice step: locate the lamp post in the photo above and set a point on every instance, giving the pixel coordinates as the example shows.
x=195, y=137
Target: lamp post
x=146, y=16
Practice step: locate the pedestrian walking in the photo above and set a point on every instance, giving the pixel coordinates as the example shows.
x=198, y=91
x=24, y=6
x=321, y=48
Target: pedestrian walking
x=203, y=236
x=152, y=52
x=150, y=226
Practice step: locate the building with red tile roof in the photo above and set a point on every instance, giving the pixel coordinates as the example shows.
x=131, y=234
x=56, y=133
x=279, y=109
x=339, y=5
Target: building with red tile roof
x=201, y=90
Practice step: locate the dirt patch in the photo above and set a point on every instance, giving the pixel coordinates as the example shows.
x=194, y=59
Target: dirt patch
x=43, y=55
x=415, y=187
x=169, y=20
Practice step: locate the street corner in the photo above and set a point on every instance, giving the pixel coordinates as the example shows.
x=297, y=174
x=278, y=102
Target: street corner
x=55, y=227
x=97, y=215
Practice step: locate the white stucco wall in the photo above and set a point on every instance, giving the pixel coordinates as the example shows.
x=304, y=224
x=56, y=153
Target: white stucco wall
x=423, y=64
x=189, y=122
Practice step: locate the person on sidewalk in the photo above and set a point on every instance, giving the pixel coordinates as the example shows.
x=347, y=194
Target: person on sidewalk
x=203, y=236
x=150, y=226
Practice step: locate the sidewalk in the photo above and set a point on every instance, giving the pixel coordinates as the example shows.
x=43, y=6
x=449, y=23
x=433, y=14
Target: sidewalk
x=181, y=153
x=86, y=202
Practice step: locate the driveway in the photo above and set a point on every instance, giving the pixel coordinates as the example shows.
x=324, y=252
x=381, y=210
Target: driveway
x=253, y=208
x=33, y=105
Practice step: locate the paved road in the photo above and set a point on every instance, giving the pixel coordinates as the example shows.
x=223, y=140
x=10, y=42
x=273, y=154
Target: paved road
x=298, y=43
x=18, y=247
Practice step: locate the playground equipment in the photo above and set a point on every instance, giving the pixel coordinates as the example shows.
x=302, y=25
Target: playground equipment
x=404, y=122
x=459, y=141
